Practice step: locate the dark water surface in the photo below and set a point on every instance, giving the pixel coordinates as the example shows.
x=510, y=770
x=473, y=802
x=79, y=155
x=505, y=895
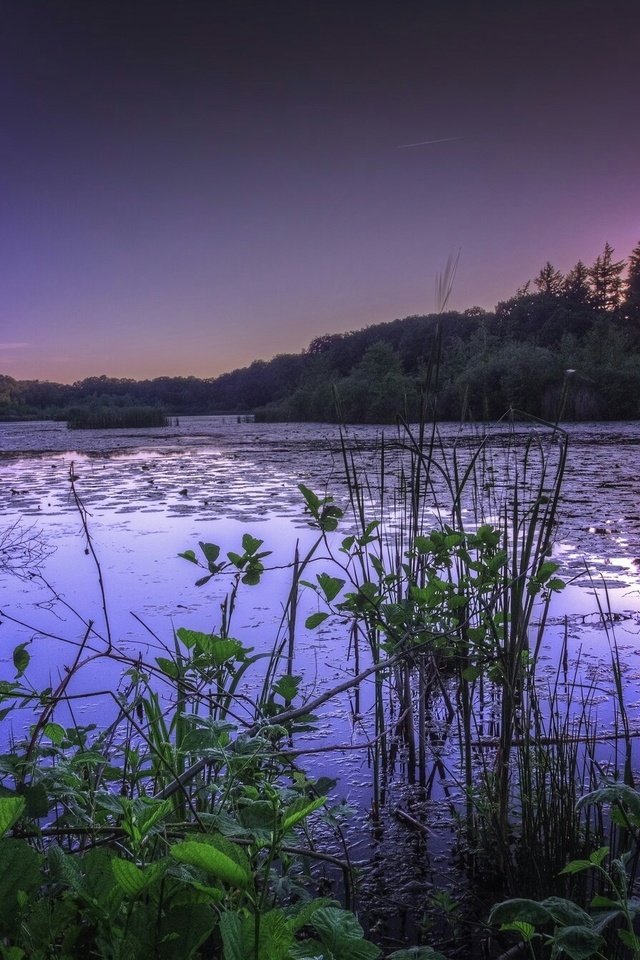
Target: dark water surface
x=150, y=494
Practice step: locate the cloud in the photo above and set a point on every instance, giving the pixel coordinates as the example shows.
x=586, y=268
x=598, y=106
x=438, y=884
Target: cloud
x=14, y=345
x=425, y=143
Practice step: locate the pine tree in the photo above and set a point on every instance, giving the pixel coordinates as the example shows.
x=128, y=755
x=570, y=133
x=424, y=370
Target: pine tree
x=632, y=285
x=549, y=281
x=606, y=280
x=576, y=285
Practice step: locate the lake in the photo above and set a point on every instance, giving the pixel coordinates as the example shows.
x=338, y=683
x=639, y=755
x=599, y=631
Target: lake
x=150, y=495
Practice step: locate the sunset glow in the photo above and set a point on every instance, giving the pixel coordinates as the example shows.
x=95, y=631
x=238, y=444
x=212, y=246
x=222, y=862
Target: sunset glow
x=189, y=187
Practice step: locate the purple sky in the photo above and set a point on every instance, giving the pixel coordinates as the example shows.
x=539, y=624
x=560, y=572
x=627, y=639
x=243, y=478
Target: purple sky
x=189, y=186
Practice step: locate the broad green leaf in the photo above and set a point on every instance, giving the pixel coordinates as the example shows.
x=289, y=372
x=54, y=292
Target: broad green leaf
x=520, y=909
x=605, y=903
x=180, y=931
x=252, y=576
x=300, y=810
x=566, y=912
x=201, y=582
x=577, y=866
x=613, y=793
x=239, y=936
x=598, y=855
x=188, y=637
x=546, y=569
x=329, y=518
x=209, y=894
x=315, y=620
x=129, y=876
x=220, y=650
x=630, y=940
x=211, y=860
x=66, y=868
x=13, y=953
x=152, y=812
x=211, y=551
x=287, y=686
x=330, y=586
x=55, y=732
x=309, y=949
x=423, y=545
x=342, y=935
x=133, y=879
x=10, y=810
x=233, y=939
x=21, y=659
x=276, y=937
x=37, y=800
x=169, y=667
x=300, y=914
x=21, y=871
x=188, y=555
x=526, y=930
x=250, y=544
x=579, y=943
x=258, y=816
x=312, y=501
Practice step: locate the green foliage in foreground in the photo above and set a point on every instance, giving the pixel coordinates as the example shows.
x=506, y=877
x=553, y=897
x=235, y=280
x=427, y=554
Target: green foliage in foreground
x=201, y=898
x=560, y=928
x=175, y=832
x=124, y=877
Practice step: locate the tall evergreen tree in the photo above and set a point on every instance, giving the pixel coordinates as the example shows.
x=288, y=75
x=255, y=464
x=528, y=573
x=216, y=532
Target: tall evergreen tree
x=632, y=285
x=549, y=281
x=606, y=280
x=576, y=287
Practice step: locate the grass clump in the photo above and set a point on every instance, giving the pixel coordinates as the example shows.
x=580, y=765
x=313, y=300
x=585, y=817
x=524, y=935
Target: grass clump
x=114, y=418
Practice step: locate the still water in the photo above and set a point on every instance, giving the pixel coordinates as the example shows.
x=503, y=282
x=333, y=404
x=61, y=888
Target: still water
x=151, y=494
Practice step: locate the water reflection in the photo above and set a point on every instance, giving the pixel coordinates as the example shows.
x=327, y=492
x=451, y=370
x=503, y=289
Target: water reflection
x=151, y=495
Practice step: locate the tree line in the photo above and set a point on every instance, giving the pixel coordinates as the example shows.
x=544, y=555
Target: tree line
x=563, y=343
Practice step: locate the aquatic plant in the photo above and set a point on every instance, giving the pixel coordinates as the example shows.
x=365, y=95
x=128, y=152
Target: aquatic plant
x=608, y=929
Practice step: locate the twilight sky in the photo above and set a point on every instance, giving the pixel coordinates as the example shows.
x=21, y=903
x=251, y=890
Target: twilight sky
x=188, y=186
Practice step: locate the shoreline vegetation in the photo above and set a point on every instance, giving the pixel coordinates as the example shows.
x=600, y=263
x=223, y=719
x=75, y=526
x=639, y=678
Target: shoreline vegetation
x=114, y=418
x=563, y=343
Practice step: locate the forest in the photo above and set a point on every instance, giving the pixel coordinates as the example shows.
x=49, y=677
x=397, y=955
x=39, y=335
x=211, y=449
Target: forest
x=564, y=345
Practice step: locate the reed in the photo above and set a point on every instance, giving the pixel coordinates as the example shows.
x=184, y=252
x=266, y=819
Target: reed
x=116, y=418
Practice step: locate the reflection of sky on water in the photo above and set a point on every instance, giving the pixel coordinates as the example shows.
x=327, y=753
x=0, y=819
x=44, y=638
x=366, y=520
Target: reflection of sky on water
x=151, y=495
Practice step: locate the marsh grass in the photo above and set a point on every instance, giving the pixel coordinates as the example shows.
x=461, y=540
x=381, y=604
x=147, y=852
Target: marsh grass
x=115, y=418
x=453, y=556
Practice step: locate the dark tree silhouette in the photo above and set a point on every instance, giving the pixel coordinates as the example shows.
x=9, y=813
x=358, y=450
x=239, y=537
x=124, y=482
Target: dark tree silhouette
x=606, y=280
x=632, y=285
x=549, y=281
